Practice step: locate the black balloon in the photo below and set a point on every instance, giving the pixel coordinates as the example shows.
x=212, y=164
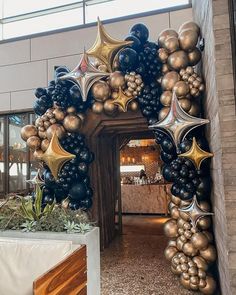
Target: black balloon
x=166, y=172
x=127, y=59
x=86, y=203
x=136, y=45
x=78, y=191
x=140, y=31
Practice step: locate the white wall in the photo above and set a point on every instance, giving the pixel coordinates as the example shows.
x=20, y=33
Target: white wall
x=29, y=63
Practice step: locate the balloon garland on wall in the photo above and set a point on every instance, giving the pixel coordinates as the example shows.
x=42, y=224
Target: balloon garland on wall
x=116, y=76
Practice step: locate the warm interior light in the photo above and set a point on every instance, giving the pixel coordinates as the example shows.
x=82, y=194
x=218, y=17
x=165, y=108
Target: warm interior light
x=131, y=168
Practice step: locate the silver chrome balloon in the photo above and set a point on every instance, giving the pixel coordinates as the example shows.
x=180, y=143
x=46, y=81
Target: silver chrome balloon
x=177, y=124
x=84, y=75
x=195, y=212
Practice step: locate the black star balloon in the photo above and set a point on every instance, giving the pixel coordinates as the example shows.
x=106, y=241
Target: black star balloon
x=177, y=124
x=195, y=212
x=37, y=180
x=105, y=47
x=84, y=76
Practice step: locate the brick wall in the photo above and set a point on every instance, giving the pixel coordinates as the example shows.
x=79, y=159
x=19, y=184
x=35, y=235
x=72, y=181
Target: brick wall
x=213, y=18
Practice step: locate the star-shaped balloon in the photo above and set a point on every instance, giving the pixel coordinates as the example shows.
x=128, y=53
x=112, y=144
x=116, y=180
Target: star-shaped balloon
x=36, y=180
x=177, y=124
x=122, y=100
x=55, y=156
x=195, y=212
x=84, y=76
x=105, y=47
x=196, y=154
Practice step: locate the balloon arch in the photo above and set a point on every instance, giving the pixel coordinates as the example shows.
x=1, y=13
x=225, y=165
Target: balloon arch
x=159, y=79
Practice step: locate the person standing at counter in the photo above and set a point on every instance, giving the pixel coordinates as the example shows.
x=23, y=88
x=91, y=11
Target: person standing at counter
x=143, y=176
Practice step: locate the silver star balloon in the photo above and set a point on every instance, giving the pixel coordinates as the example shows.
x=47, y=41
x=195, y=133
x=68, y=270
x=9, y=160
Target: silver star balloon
x=195, y=212
x=177, y=124
x=37, y=180
x=84, y=76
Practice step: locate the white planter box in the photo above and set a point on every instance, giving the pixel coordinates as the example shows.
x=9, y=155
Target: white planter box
x=90, y=239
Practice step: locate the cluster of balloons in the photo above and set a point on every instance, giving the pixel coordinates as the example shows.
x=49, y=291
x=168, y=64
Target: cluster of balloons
x=116, y=76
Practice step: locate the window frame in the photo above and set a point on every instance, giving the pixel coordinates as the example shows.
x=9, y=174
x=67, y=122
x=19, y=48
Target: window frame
x=6, y=140
x=92, y=24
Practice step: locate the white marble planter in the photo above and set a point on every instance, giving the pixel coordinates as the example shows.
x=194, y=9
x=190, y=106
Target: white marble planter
x=90, y=239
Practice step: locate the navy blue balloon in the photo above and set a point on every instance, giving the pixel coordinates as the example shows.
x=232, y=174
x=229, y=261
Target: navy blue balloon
x=136, y=45
x=73, y=205
x=86, y=203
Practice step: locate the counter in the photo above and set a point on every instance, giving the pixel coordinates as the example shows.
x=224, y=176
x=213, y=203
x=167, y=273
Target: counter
x=149, y=198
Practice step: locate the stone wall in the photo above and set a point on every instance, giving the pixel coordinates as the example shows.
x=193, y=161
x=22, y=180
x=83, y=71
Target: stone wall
x=213, y=18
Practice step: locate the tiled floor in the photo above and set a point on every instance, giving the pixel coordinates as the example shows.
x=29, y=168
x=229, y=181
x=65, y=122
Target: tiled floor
x=134, y=263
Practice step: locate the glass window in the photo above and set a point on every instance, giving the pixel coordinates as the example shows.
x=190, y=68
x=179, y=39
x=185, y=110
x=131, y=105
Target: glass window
x=26, y=17
x=18, y=153
x=2, y=155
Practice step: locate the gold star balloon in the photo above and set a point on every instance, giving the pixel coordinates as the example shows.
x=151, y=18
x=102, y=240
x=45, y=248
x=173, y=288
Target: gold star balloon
x=177, y=124
x=122, y=100
x=84, y=76
x=195, y=212
x=37, y=180
x=55, y=156
x=196, y=154
x=105, y=47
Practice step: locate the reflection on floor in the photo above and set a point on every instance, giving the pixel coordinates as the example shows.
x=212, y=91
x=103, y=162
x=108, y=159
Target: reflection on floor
x=134, y=263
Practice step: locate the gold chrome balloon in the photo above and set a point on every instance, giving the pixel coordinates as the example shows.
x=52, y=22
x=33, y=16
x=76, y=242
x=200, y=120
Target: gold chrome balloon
x=171, y=229
x=194, y=56
x=171, y=44
x=185, y=104
x=188, y=40
x=181, y=89
x=55, y=156
x=178, y=60
x=45, y=144
x=166, y=34
x=133, y=106
x=199, y=241
x=71, y=110
x=174, y=212
x=169, y=80
x=59, y=114
x=194, y=110
x=165, y=69
x=201, y=263
x=163, y=113
x=185, y=283
x=196, y=154
x=210, y=287
x=42, y=134
x=72, y=123
x=209, y=254
x=109, y=107
x=122, y=100
x=116, y=80
x=189, y=249
x=163, y=54
x=100, y=91
x=60, y=131
x=105, y=46
x=97, y=107
x=28, y=131
x=33, y=142
x=38, y=154
x=170, y=252
x=190, y=26
x=166, y=98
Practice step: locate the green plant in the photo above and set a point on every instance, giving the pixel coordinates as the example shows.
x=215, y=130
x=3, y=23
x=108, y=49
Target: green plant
x=33, y=209
x=29, y=226
x=84, y=227
x=71, y=227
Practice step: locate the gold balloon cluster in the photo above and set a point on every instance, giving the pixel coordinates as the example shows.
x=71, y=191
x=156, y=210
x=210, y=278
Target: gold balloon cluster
x=190, y=249
x=117, y=93
x=55, y=120
x=178, y=53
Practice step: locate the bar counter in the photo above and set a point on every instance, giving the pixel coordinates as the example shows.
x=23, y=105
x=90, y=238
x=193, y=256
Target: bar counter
x=148, y=198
